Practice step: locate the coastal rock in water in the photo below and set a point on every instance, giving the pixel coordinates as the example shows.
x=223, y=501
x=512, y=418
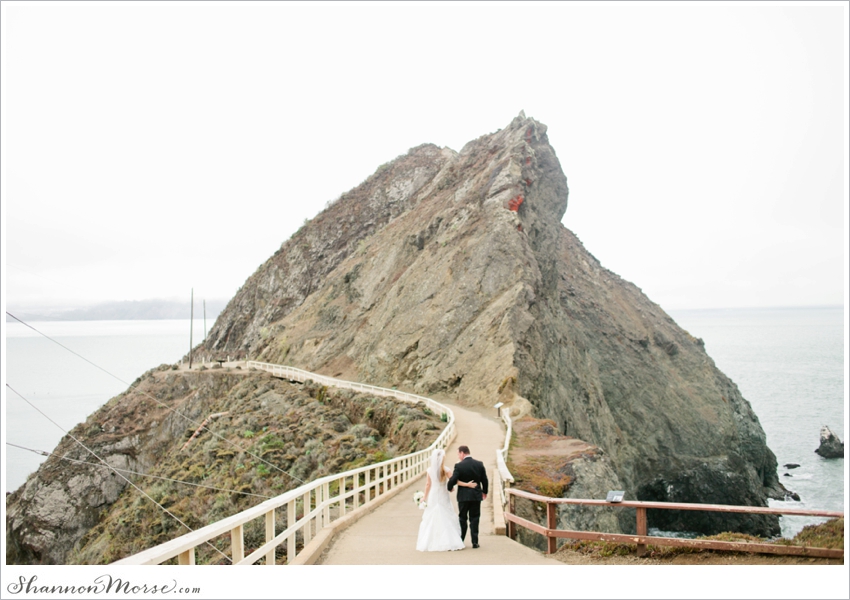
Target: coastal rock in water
x=791, y=466
x=450, y=274
x=830, y=445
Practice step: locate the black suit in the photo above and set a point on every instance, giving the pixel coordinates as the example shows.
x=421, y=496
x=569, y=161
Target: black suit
x=469, y=499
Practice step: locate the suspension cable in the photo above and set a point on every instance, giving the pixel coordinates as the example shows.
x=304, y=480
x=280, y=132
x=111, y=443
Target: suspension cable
x=140, y=490
x=84, y=462
x=201, y=426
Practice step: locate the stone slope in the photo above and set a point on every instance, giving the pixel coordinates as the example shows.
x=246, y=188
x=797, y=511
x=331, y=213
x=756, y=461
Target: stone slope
x=451, y=274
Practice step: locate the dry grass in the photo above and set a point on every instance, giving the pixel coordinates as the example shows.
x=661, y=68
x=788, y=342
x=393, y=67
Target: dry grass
x=824, y=535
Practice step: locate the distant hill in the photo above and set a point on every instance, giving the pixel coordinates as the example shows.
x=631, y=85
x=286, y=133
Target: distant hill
x=125, y=310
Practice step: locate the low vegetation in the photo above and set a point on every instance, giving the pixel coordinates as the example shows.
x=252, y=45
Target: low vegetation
x=541, y=459
x=275, y=437
x=824, y=535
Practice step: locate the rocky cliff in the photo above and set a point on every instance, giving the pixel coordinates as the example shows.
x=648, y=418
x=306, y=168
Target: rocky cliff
x=444, y=273
x=450, y=273
x=264, y=436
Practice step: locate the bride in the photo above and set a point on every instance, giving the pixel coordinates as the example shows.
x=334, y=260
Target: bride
x=440, y=528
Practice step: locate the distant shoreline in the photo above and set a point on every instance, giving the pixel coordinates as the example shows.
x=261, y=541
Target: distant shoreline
x=155, y=310
x=133, y=310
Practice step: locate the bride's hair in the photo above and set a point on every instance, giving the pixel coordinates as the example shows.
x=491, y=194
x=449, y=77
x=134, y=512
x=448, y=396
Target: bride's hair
x=443, y=475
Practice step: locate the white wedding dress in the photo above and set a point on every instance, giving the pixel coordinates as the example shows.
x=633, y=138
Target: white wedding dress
x=440, y=529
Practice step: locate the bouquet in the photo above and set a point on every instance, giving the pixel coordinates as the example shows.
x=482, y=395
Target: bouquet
x=417, y=499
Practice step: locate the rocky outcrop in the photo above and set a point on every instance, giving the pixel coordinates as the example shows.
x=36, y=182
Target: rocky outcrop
x=549, y=464
x=450, y=274
x=830, y=445
x=445, y=273
x=75, y=511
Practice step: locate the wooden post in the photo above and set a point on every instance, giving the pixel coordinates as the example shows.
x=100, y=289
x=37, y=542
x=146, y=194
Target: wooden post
x=355, y=487
x=641, y=529
x=368, y=495
x=237, y=544
x=191, y=323
x=270, y=536
x=290, y=541
x=186, y=558
x=307, y=529
x=551, y=523
x=511, y=530
x=326, y=512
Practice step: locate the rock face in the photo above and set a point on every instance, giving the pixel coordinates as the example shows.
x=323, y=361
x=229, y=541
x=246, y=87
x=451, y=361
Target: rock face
x=830, y=445
x=450, y=274
x=546, y=463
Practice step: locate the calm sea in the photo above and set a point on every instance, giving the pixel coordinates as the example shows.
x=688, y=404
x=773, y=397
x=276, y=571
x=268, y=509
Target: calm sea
x=66, y=387
x=789, y=363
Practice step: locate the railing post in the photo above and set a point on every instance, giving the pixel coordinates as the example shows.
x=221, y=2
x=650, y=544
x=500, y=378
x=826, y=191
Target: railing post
x=355, y=487
x=511, y=511
x=641, y=529
x=307, y=528
x=342, y=491
x=186, y=558
x=290, y=522
x=237, y=544
x=270, y=536
x=368, y=490
x=326, y=512
x=551, y=523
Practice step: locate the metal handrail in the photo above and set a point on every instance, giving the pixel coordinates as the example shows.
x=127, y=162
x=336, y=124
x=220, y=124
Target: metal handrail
x=314, y=496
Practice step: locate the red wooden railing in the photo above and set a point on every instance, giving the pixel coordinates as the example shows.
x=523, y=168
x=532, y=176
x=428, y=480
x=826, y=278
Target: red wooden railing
x=552, y=533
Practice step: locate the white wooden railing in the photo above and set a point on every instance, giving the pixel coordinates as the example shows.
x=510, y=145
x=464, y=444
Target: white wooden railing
x=502, y=477
x=323, y=502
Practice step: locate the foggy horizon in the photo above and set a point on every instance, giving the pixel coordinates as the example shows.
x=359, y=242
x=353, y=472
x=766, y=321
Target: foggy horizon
x=708, y=174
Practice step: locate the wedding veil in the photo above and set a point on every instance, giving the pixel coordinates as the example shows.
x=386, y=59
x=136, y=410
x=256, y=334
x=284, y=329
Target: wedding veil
x=436, y=465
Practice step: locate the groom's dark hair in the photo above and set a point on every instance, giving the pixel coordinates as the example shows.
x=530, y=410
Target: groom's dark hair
x=464, y=449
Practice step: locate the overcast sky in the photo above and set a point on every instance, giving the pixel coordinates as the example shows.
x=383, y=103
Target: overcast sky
x=153, y=148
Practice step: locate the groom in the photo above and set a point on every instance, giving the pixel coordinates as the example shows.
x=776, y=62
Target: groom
x=469, y=498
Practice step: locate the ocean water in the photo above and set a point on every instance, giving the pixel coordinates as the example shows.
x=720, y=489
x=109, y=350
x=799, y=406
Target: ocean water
x=788, y=363
x=68, y=388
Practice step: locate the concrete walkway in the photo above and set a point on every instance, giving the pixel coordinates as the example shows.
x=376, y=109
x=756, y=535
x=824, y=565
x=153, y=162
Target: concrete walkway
x=387, y=536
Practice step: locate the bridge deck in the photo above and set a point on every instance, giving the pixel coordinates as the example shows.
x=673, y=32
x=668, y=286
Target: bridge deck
x=387, y=536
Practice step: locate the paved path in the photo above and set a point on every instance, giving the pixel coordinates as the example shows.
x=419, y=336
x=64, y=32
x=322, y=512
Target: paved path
x=387, y=536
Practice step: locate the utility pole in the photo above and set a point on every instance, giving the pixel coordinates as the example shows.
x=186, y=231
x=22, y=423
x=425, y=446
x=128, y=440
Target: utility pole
x=191, y=323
